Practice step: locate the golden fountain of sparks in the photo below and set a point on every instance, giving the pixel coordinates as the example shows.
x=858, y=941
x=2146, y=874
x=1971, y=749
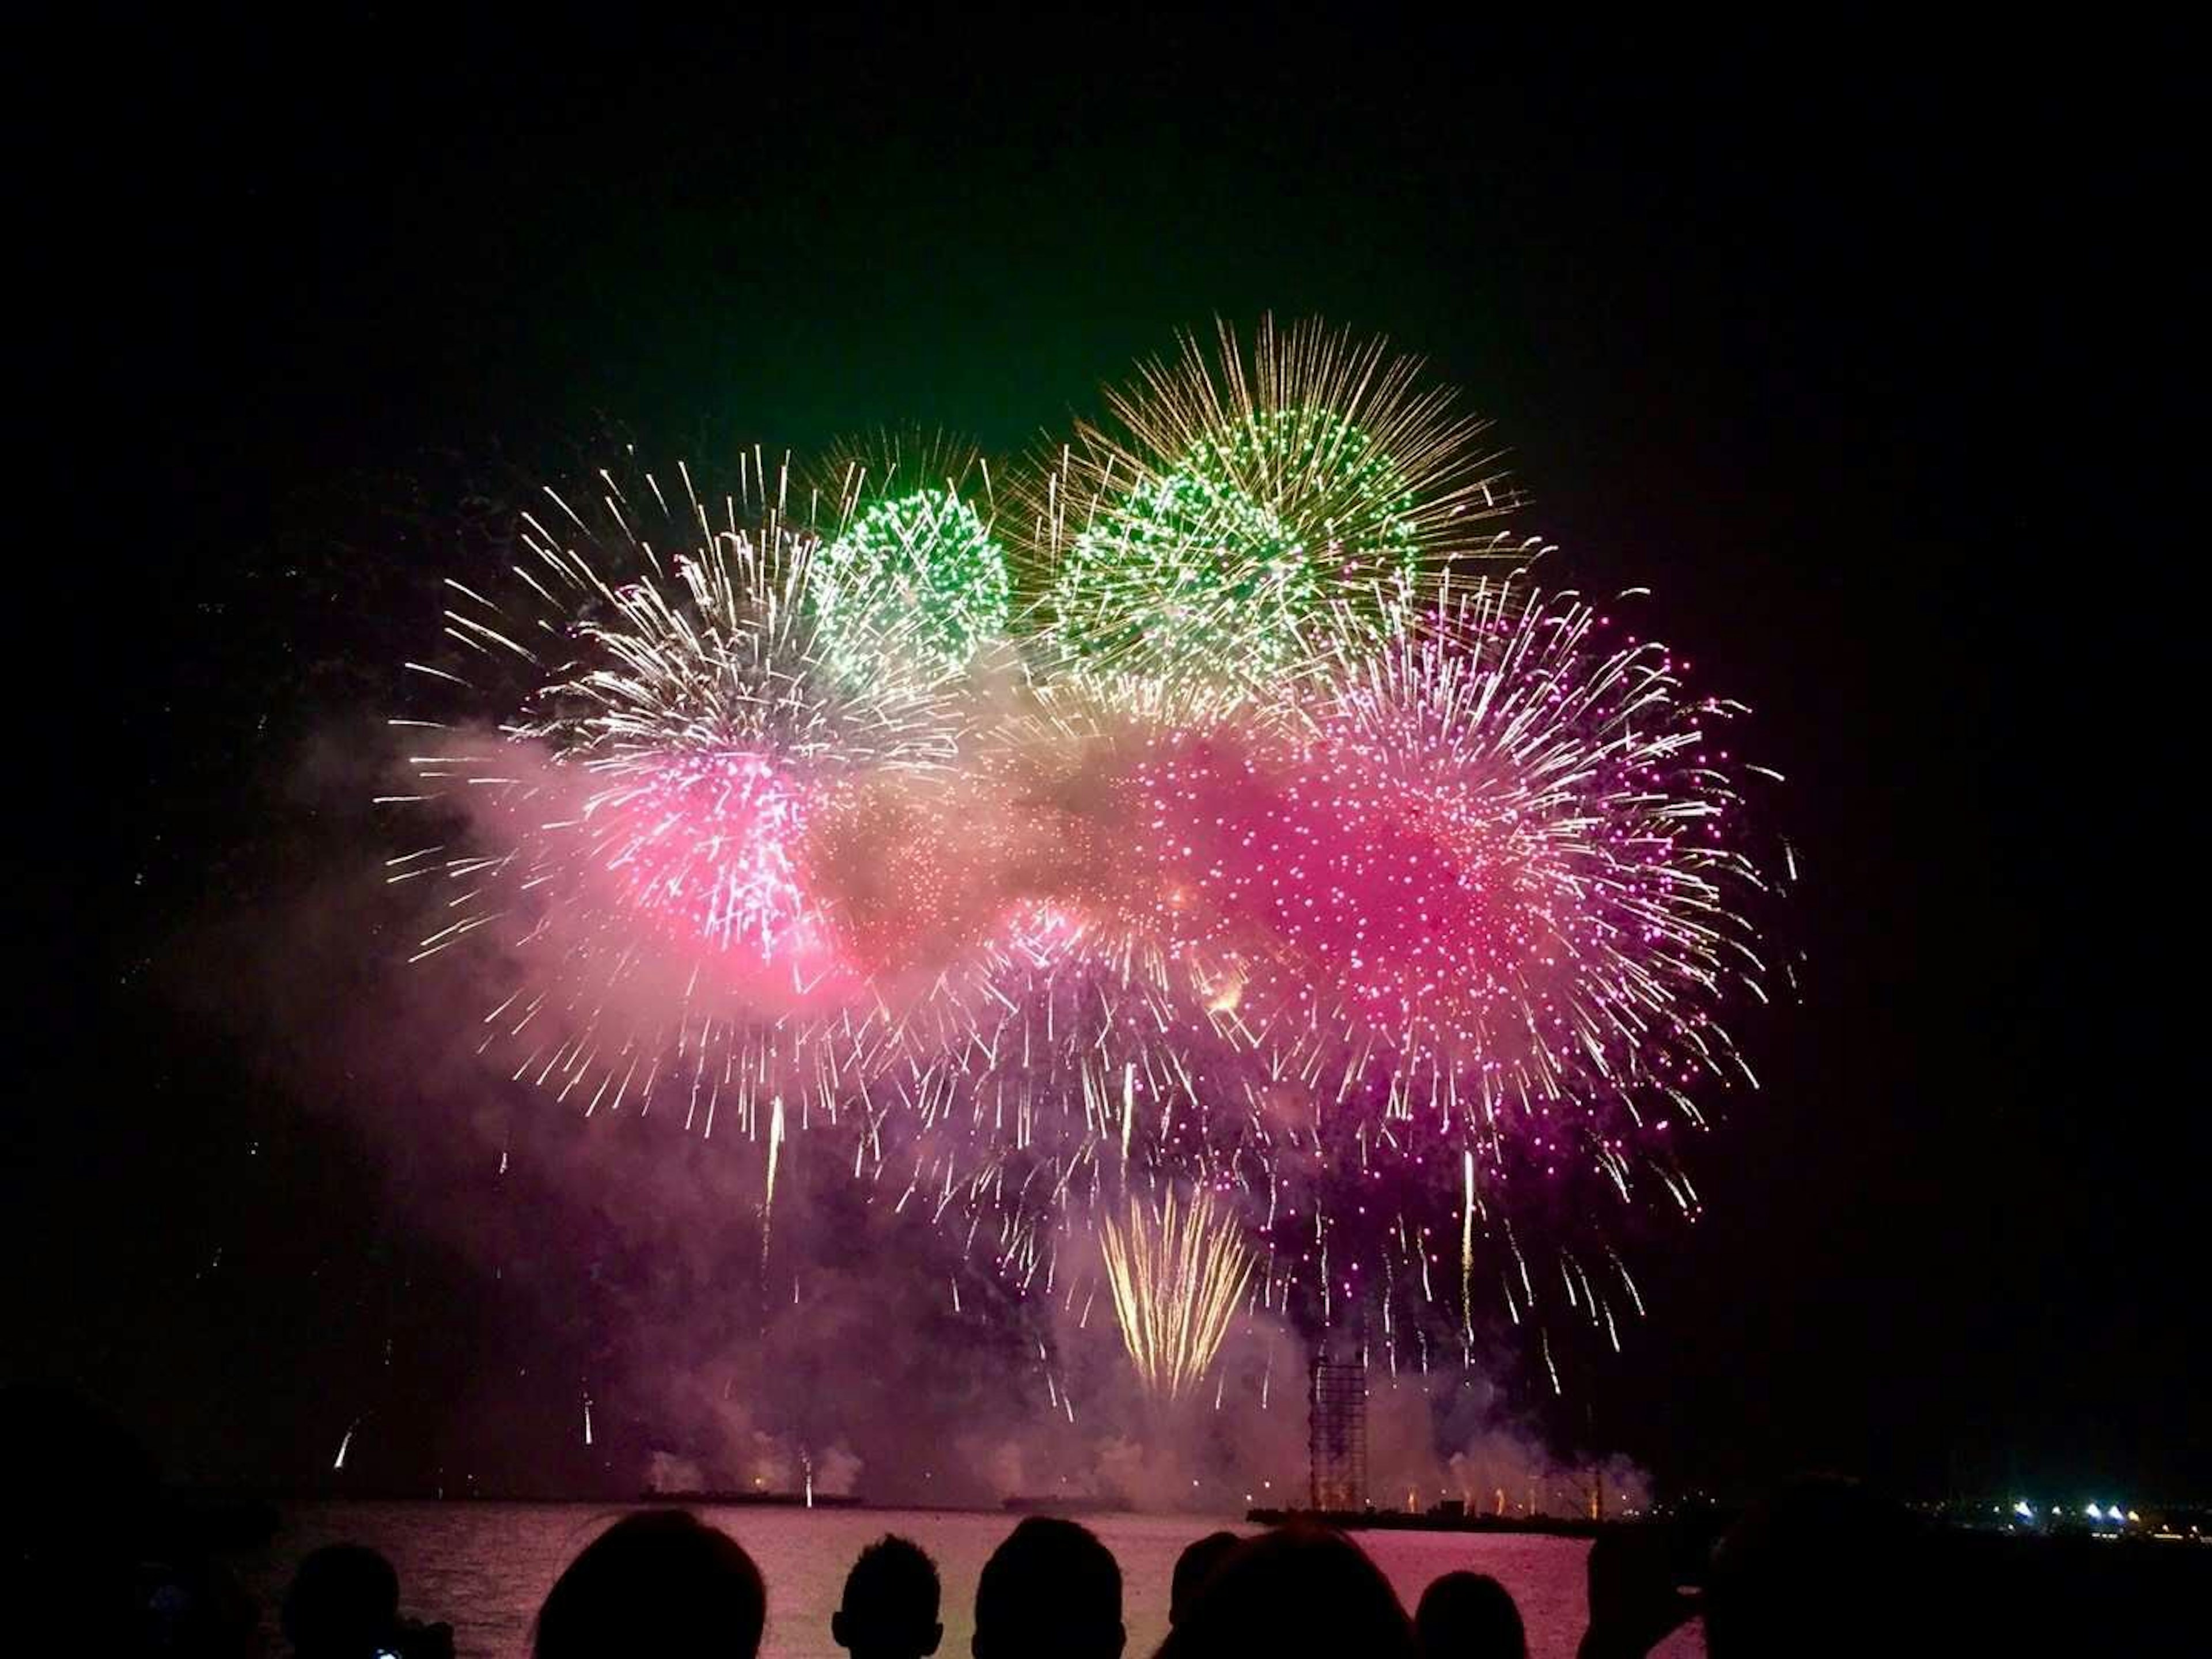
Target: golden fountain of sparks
x=1176, y=1273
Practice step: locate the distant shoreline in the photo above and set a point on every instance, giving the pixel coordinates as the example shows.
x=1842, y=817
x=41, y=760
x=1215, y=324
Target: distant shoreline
x=1402, y=1521
x=740, y=1497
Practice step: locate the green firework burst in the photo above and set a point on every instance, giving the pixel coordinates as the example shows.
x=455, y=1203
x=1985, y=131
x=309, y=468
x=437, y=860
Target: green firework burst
x=927, y=553
x=1282, y=535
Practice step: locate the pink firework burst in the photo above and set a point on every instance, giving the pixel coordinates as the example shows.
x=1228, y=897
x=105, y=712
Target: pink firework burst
x=709, y=845
x=1489, y=865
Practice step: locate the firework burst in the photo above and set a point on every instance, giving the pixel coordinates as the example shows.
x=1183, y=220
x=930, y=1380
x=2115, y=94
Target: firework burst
x=1486, y=915
x=1422, y=980
x=1177, y=1271
x=1311, y=920
x=914, y=553
x=635, y=830
x=1495, y=864
x=1244, y=512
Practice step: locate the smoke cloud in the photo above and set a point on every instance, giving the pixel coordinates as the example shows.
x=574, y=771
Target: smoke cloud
x=717, y=1341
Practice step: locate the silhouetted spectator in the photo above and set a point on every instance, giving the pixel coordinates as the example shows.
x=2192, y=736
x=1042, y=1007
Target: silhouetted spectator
x=1635, y=1599
x=1050, y=1591
x=1823, y=1567
x=889, y=1608
x=1192, y=1567
x=1469, y=1615
x=1300, y=1592
x=656, y=1584
x=343, y=1603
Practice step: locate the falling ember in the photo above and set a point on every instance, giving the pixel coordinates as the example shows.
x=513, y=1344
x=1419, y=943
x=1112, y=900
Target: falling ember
x=768, y=1197
x=588, y=1419
x=344, y=1442
x=1176, y=1274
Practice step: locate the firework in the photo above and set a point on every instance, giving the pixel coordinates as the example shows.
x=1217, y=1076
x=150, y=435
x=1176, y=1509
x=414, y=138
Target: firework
x=1065, y=1039
x=1304, y=915
x=1420, y=982
x=913, y=560
x=1486, y=916
x=1495, y=866
x=639, y=735
x=1177, y=1273
x=1244, y=513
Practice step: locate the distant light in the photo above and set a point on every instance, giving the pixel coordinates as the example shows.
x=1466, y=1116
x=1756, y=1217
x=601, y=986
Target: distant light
x=2094, y=1513
x=2022, y=1510
x=2132, y=1516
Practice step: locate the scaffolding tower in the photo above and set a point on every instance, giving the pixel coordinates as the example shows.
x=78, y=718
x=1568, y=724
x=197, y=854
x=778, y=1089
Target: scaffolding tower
x=1336, y=1435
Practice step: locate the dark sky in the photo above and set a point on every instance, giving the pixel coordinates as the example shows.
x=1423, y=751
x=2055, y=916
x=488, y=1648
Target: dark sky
x=1850, y=348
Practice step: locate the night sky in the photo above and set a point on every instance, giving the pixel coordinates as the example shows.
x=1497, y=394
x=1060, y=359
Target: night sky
x=1848, y=349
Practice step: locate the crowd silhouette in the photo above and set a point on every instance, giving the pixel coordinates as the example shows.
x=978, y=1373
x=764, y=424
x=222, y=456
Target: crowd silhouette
x=663, y=1584
x=1822, y=1568
x=104, y=1560
x=1792, y=1578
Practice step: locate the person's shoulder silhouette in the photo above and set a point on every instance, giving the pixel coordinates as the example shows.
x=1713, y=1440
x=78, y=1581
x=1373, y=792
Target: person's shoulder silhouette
x=1295, y=1592
x=890, y=1603
x=1050, y=1591
x=658, y=1582
x=1469, y=1615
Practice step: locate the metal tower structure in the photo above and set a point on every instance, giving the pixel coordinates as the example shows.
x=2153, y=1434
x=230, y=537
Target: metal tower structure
x=1336, y=1435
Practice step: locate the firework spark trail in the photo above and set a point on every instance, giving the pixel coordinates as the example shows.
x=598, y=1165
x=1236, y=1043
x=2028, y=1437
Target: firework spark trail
x=1467, y=1247
x=1177, y=1273
x=775, y=1154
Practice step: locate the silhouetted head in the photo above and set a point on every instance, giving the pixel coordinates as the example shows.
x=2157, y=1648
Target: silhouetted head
x=1295, y=1592
x=1469, y=1615
x=1051, y=1591
x=343, y=1603
x=889, y=1609
x=1192, y=1567
x=1822, y=1567
x=659, y=1583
